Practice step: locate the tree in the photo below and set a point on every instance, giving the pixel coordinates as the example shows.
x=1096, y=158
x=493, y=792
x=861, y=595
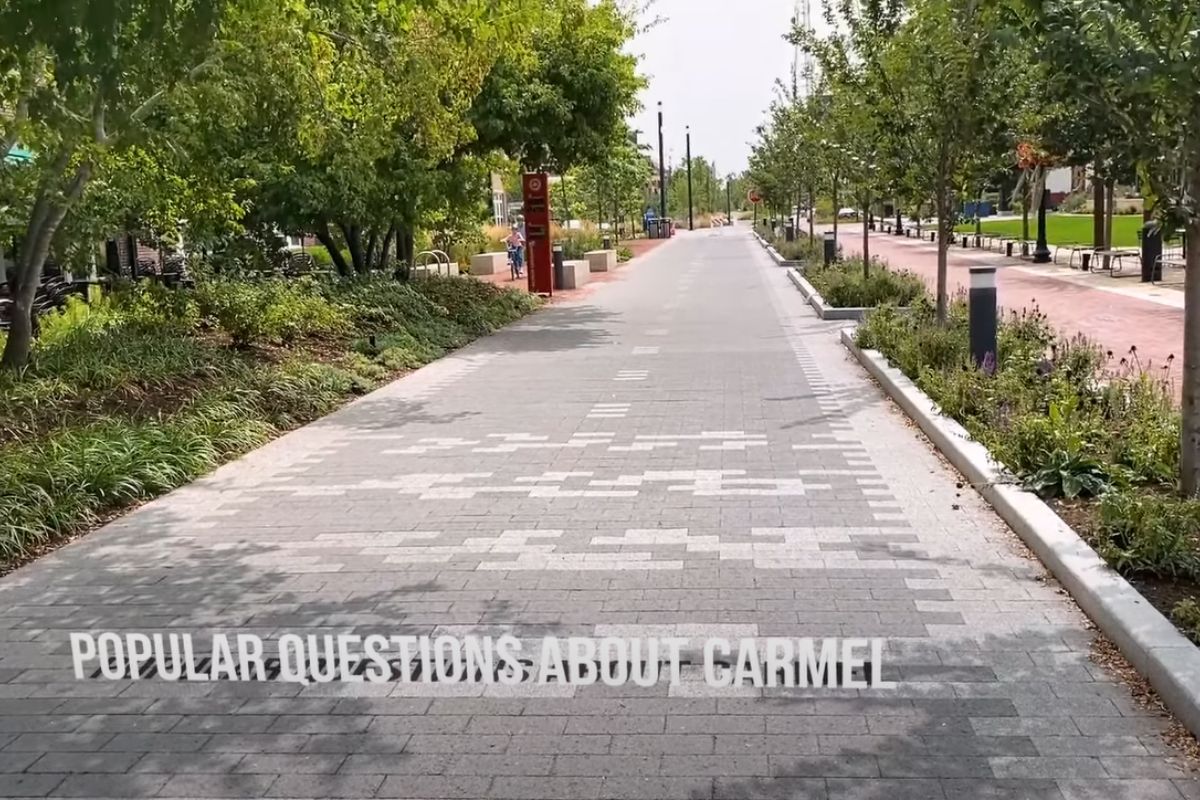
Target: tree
x=89, y=79
x=617, y=181
x=950, y=101
x=1153, y=44
x=558, y=100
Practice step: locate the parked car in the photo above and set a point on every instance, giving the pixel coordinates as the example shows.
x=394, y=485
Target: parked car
x=848, y=213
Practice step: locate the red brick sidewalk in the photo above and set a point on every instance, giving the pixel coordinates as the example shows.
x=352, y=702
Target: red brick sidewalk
x=1115, y=321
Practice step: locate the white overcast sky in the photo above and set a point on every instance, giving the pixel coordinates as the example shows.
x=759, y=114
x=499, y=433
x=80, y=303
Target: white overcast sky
x=714, y=65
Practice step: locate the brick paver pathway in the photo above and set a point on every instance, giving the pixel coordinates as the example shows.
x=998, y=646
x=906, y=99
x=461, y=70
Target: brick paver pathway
x=1097, y=306
x=688, y=452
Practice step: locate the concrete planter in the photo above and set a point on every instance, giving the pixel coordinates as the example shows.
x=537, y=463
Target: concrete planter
x=823, y=309
x=601, y=260
x=775, y=255
x=1152, y=644
x=489, y=263
x=575, y=274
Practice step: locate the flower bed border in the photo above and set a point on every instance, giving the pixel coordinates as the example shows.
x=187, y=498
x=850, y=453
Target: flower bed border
x=1149, y=640
x=823, y=309
x=779, y=260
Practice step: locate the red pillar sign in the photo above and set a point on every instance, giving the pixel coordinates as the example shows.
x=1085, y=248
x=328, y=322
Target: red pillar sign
x=536, y=186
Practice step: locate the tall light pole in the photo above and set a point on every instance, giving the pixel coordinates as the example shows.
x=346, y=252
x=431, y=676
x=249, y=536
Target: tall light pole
x=662, y=168
x=691, y=225
x=729, y=199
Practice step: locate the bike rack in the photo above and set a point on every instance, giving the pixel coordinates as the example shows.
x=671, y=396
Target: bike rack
x=433, y=258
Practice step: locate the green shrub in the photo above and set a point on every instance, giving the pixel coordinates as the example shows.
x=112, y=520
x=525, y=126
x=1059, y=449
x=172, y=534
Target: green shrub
x=1186, y=615
x=270, y=312
x=1048, y=409
x=84, y=377
x=78, y=319
x=151, y=307
x=476, y=306
x=321, y=257
x=624, y=254
x=58, y=485
x=844, y=285
x=1148, y=533
x=803, y=249
x=576, y=243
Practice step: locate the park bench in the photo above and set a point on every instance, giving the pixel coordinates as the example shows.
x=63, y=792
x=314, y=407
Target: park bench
x=1116, y=260
x=1073, y=250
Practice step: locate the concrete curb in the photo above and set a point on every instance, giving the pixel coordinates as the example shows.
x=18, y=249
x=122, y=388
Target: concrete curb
x=779, y=260
x=825, y=311
x=1152, y=644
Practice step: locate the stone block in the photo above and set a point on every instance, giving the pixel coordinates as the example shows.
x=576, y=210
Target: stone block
x=575, y=274
x=601, y=260
x=489, y=263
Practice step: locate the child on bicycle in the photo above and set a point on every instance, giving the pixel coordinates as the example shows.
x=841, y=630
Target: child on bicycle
x=516, y=250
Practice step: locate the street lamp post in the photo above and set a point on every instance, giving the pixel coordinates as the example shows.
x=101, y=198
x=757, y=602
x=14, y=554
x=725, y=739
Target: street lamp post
x=662, y=168
x=729, y=199
x=1041, y=254
x=691, y=225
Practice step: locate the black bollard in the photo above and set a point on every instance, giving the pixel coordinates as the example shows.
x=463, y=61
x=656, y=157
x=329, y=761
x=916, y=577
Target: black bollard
x=559, y=267
x=830, y=248
x=981, y=301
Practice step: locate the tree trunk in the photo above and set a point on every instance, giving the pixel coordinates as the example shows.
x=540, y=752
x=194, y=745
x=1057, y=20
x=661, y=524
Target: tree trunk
x=944, y=228
x=1189, y=448
x=353, y=236
x=812, y=213
x=335, y=252
x=1097, y=208
x=369, y=256
x=47, y=215
x=385, y=253
x=866, y=253
x=1109, y=209
x=405, y=248
x=835, y=206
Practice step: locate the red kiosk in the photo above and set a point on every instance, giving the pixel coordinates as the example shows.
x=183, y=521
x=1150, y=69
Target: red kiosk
x=536, y=189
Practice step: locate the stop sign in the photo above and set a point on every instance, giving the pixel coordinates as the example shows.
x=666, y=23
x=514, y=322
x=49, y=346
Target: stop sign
x=753, y=196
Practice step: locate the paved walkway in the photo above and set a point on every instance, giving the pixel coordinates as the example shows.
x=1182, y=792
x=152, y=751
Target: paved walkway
x=1117, y=313
x=688, y=452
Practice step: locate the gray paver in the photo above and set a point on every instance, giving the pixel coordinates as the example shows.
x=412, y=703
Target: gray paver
x=686, y=450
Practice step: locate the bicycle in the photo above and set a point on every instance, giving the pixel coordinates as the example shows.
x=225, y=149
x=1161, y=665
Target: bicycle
x=516, y=261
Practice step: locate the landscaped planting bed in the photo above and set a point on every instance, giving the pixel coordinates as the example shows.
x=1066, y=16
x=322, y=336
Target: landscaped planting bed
x=845, y=284
x=145, y=389
x=1096, y=434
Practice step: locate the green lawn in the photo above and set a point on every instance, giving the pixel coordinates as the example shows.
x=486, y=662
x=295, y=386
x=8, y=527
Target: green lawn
x=1066, y=228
